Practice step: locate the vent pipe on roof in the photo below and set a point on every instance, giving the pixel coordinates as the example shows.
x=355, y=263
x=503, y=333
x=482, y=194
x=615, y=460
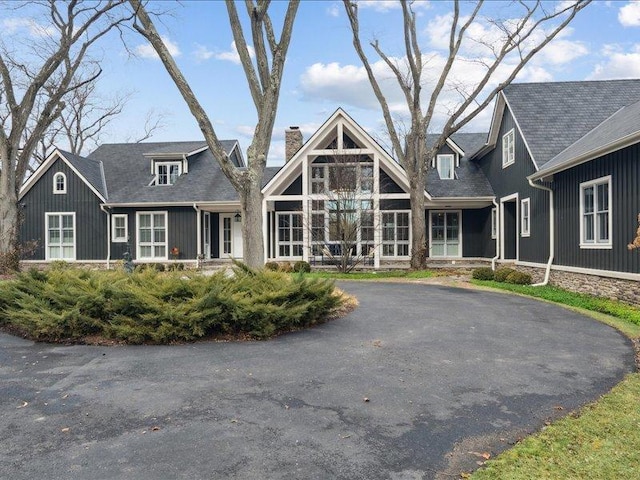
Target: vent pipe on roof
x=292, y=142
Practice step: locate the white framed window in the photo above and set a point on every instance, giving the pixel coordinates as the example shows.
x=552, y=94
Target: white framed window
x=508, y=148
x=525, y=217
x=346, y=177
x=595, y=213
x=61, y=236
x=395, y=234
x=119, y=227
x=445, y=165
x=168, y=172
x=152, y=235
x=290, y=235
x=59, y=183
x=494, y=223
x=318, y=179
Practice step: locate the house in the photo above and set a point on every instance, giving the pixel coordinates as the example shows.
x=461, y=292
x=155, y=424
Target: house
x=551, y=188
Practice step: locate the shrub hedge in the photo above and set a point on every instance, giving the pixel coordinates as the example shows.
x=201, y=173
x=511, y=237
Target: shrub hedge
x=148, y=306
x=518, y=278
x=501, y=274
x=483, y=273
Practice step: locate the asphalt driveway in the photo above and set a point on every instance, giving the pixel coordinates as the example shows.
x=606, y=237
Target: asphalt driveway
x=445, y=371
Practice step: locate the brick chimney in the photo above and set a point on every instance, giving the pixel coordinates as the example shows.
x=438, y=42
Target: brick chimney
x=292, y=142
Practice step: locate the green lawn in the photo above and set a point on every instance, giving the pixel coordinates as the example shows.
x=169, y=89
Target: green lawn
x=372, y=275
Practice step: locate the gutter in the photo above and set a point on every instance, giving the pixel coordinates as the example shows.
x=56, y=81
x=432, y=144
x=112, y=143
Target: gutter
x=551, y=232
x=104, y=209
x=495, y=259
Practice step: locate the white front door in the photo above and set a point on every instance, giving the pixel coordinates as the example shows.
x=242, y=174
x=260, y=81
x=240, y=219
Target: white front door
x=206, y=232
x=230, y=236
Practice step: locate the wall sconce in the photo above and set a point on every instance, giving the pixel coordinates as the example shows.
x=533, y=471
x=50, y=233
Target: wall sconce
x=237, y=217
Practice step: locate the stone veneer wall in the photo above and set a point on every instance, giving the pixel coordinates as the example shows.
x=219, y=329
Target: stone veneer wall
x=614, y=288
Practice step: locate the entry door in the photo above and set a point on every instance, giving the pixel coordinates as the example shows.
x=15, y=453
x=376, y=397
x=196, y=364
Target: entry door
x=230, y=236
x=445, y=234
x=206, y=232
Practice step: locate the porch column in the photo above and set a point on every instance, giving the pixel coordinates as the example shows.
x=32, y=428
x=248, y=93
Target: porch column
x=306, y=221
x=377, y=217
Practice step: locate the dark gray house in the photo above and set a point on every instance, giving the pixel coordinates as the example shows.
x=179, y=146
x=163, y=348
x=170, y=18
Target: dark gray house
x=552, y=187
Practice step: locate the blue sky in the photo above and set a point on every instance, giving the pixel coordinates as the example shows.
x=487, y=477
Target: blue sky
x=322, y=71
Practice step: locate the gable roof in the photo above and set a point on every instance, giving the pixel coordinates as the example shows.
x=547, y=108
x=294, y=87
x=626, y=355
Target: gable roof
x=128, y=174
x=470, y=179
x=88, y=170
x=618, y=131
x=552, y=116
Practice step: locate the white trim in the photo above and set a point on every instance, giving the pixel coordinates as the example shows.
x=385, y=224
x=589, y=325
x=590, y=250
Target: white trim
x=232, y=206
x=596, y=244
x=585, y=271
x=46, y=235
x=55, y=183
x=168, y=164
x=395, y=235
x=509, y=154
x=503, y=200
x=290, y=243
x=525, y=232
x=494, y=223
x=115, y=239
x=153, y=244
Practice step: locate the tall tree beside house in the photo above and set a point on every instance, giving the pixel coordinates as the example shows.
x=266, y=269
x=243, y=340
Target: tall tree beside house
x=264, y=77
x=36, y=78
x=502, y=56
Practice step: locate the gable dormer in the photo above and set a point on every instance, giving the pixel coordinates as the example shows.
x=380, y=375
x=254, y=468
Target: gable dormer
x=169, y=163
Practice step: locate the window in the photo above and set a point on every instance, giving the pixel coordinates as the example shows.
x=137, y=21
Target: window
x=508, y=148
x=61, y=238
x=290, y=235
x=317, y=180
x=445, y=234
x=595, y=214
x=494, y=223
x=342, y=177
x=119, y=228
x=445, y=167
x=395, y=234
x=152, y=235
x=168, y=172
x=59, y=183
x=525, y=217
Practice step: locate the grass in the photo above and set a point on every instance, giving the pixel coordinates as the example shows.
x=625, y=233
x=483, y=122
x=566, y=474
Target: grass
x=599, y=442
x=375, y=275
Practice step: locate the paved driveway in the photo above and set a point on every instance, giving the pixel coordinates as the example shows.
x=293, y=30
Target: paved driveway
x=446, y=371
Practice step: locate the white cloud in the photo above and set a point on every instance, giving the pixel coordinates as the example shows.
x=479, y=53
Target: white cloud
x=334, y=10
x=145, y=50
x=232, y=55
x=202, y=53
x=629, y=15
x=12, y=25
x=387, y=5
x=245, y=130
x=618, y=64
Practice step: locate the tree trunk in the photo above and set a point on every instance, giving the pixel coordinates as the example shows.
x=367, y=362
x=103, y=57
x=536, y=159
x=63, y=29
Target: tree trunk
x=8, y=217
x=419, y=248
x=252, y=224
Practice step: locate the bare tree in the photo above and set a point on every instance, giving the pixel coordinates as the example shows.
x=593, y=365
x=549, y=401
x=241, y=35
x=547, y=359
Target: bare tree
x=342, y=223
x=519, y=40
x=35, y=78
x=264, y=79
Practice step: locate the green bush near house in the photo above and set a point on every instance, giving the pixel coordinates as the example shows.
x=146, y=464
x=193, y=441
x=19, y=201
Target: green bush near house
x=483, y=273
x=518, y=278
x=301, y=266
x=148, y=306
x=501, y=274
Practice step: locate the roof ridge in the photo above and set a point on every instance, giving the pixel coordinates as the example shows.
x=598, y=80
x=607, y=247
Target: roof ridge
x=581, y=82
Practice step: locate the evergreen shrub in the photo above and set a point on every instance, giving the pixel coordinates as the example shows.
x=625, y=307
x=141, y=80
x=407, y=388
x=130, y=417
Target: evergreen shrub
x=148, y=306
x=301, y=266
x=518, y=278
x=483, y=273
x=501, y=274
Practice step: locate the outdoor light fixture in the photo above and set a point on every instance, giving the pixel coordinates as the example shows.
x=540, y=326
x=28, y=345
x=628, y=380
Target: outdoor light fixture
x=238, y=217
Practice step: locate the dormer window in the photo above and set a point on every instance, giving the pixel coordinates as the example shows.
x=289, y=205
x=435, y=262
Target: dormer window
x=59, y=183
x=445, y=166
x=168, y=172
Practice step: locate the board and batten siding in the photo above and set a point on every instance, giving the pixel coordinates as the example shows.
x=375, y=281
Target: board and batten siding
x=476, y=233
x=513, y=179
x=91, y=222
x=624, y=168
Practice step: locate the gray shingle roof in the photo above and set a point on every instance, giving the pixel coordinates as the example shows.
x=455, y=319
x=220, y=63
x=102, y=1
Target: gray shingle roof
x=554, y=115
x=623, y=123
x=90, y=169
x=179, y=148
x=470, y=181
x=128, y=174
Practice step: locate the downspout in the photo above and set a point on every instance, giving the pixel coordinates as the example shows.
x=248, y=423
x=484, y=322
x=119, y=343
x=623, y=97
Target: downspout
x=103, y=208
x=551, y=233
x=495, y=259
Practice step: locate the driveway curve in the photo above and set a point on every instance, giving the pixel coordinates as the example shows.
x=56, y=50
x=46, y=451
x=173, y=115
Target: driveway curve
x=405, y=387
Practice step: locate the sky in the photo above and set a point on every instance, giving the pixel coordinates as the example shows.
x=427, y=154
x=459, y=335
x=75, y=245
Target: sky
x=322, y=71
